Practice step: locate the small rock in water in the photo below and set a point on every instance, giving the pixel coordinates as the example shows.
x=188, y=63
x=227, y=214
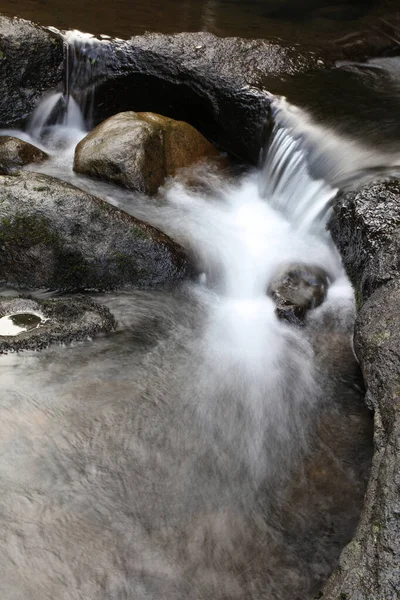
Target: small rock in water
x=296, y=289
x=15, y=153
x=27, y=324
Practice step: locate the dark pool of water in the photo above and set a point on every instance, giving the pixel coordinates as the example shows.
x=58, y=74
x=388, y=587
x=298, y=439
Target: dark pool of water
x=293, y=20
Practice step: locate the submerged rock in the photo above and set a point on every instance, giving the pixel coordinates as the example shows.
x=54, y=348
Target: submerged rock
x=139, y=150
x=31, y=63
x=53, y=235
x=296, y=289
x=57, y=320
x=15, y=153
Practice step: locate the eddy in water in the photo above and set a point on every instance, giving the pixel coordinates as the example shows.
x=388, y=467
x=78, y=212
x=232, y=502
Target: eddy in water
x=216, y=446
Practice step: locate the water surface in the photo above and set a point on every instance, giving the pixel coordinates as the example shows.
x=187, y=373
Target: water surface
x=308, y=22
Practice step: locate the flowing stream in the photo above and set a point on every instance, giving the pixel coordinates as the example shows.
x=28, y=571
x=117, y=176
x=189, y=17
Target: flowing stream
x=205, y=449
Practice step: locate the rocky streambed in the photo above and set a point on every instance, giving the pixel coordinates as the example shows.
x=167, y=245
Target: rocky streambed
x=54, y=235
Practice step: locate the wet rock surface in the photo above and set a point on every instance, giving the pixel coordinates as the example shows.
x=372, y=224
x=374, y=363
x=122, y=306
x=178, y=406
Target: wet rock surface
x=296, y=289
x=221, y=86
x=15, y=153
x=365, y=226
x=31, y=63
x=207, y=81
x=53, y=235
x=62, y=320
x=369, y=565
x=140, y=150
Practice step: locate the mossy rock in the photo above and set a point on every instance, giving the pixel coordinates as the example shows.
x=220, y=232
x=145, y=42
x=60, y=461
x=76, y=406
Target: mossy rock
x=53, y=235
x=56, y=320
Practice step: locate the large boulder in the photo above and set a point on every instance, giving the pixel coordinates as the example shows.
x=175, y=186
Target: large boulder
x=31, y=63
x=139, y=150
x=221, y=86
x=366, y=228
x=218, y=85
x=53, y=235
x=15, y=153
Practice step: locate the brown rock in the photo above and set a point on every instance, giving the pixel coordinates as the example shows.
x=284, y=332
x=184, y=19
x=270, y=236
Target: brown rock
x=15, y=153
x=139, y=150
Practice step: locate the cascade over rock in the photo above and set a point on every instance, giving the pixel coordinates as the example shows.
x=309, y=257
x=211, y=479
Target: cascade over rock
x=139, y=150
x=210, y=82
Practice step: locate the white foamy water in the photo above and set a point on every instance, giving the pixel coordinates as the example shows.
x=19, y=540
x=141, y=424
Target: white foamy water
x=239, y=234
x=161, y=451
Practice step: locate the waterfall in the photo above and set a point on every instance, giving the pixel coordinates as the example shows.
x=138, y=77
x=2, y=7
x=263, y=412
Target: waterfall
x=171, y=456
x=72, y=109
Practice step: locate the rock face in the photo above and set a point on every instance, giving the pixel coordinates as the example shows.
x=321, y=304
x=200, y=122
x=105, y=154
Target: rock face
x=139, y=150
x=31, y=63
x=63, y=320
x=210, y=82
x=204, y=80
x=366, y=228
x=53, y=235
x=297, y=289
x=15, y=153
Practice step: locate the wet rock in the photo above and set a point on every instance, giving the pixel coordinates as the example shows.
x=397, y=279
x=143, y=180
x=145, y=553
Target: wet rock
x=199, y=78
x=296, y=289
x=31, y=63
x=369, y=565
x=366, y=228
x=56, y=320
x=139, y=150
x=53, y=235
x=15, y=153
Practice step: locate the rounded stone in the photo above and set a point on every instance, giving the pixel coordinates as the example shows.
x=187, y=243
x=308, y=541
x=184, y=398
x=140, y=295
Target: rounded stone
x=140, y=150
x=16, y=153
x=296, y=289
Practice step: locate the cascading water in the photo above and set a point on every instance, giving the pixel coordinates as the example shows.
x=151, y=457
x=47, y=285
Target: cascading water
x=195, y=452
x=70, y=112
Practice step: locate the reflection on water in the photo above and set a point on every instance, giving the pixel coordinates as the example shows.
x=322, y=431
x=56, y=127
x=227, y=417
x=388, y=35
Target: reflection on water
x=294, y=20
